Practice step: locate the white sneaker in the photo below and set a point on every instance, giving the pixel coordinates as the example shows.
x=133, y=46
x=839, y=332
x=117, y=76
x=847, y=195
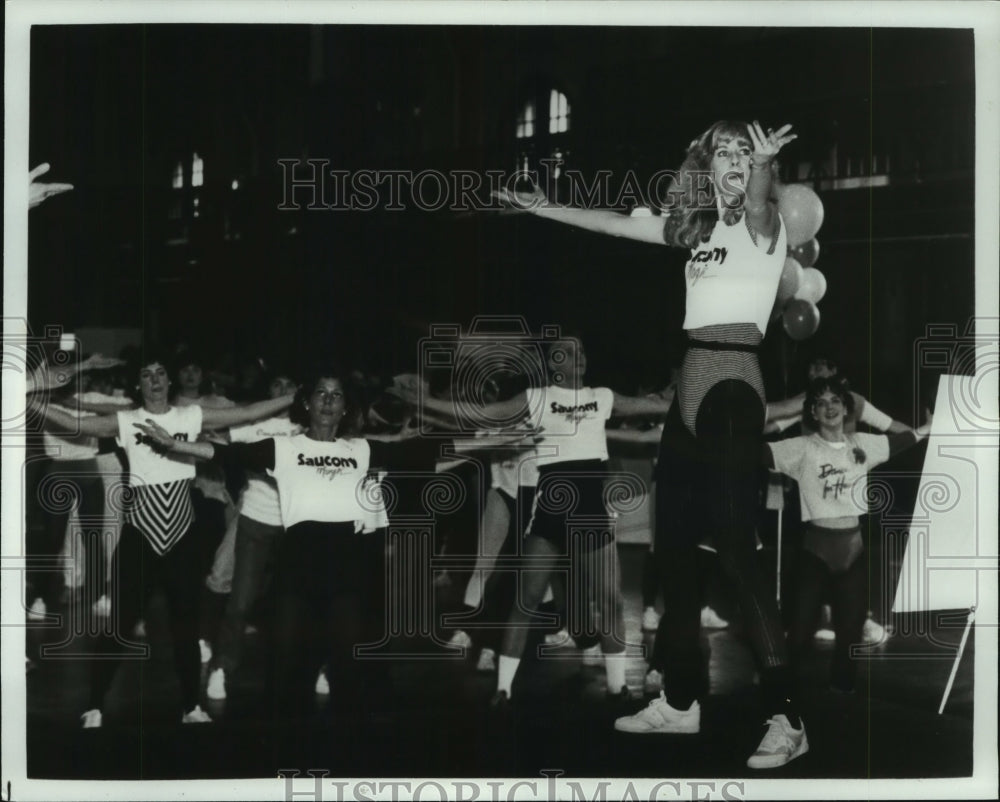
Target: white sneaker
x=650, y=619
x=206, y=650
x=322, y=683
x=711, y=619
x=873, y=632
x=102, y=607
x=660, y=717
x=461, y=638
x=140, y=629
x=825, y=634
x=593, y=656
x=560, y=638
x=91, y=719
x=781, y=744
x=653, y=683
x=196, y=716
x=37, y=610
x=216, y=688
x=487, y=660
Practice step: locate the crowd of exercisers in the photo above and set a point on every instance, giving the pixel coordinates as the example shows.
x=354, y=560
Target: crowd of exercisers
x=289, y=481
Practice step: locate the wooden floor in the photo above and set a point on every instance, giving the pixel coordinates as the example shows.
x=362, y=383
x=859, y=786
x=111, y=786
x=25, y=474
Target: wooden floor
x=431, y=717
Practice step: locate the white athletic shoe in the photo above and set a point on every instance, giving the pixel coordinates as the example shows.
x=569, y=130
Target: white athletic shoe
x=711, y=619
x=102, y=607
x=461, y=638
x=216, y=688
x=653, y=683
x=206, y=650
x=487, y=660
x=660, y=717
x=873, y=632
x=593, y=656
x=560, y=638
x=322, y=683
x=91, y=719
x=781, y=744
x=196, y=716
x=825, y=634
x=37, y=610
x=650, y=619
x=140, y=629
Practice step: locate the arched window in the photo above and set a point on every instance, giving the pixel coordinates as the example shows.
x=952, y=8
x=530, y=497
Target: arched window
x=197, y=171
x=558, y=112
x=526, y=121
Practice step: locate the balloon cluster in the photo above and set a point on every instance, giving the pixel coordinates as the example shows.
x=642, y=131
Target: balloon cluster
x=801, y=286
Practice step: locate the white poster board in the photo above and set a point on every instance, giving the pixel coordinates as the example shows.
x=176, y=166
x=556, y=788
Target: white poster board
x=952, y=537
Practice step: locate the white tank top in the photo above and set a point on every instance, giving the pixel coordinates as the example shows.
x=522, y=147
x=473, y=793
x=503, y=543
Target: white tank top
x=731, y=280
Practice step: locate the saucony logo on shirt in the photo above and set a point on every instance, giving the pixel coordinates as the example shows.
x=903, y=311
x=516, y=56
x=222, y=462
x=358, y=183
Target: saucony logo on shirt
x=328, y=461
x=710, y=255
x=559, y=409
x=141, y=439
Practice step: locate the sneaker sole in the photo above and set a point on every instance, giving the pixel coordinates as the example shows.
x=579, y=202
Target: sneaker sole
x=776, y=761
x=657, y=731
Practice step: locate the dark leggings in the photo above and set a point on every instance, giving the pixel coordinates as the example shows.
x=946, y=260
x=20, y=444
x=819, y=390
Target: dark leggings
x=848, y=593
x=136, y=569
x=322, y=576
x=708, y=485
x=65, y=485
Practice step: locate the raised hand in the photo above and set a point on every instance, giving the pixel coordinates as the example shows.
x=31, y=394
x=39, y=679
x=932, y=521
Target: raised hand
x=37, y=191
x=767, y=147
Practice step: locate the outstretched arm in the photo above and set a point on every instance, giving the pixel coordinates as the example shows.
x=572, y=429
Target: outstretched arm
x=870, y=415
x=626, y=406
x=789, y=408
x=162, y=439
x=45, y=378
x=221, y=418
x=600, y=221
x=102, y=426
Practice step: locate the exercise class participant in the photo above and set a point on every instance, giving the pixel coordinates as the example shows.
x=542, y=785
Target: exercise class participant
x=831, y=466
x=156, y=546
x=711, y=444
x=257, y=532
x=320, y=582
x=572, y=458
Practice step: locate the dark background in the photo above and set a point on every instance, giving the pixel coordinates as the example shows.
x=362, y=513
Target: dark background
x=115, y=108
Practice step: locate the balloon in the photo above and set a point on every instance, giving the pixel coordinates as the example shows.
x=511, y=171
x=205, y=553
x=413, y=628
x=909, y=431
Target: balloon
x=790, y=281
x=801, y=319
x=807, y=253
x=802, y=211
x=813, y=286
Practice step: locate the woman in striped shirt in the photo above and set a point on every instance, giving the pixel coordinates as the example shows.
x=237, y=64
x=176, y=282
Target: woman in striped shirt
x=154, y=547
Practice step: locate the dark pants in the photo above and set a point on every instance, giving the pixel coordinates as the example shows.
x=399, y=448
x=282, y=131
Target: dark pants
x=65, y=485
x=322, y=581
x=136, y=569
x=848, y=593
x=709, y=486
x=253, y=553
